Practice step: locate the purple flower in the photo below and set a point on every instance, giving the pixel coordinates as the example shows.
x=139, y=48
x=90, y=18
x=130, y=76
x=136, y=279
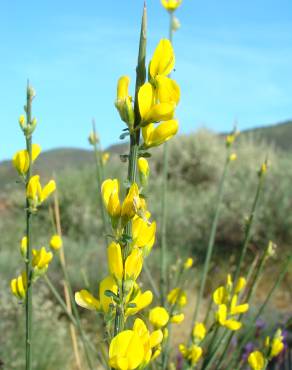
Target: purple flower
x=248, y=348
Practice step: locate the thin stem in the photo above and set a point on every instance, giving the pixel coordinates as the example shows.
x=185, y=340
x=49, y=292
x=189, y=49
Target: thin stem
x=250, y=330
x=243, y=253
x=28, y=261
x=249, y=227
x=163, y=251
x=150, y=279
x=211, y=239
x=60, y=300
x=133, y=153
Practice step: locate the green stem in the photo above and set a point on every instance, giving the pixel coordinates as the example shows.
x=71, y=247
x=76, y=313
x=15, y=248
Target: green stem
x=150, y=279
x=211, y=239
x=28, y=261
x=163, y=251
x=60, y=300
x=249, y=227
x=72, y=319
x=250, y=330
x=134, y=149
x=243, y=253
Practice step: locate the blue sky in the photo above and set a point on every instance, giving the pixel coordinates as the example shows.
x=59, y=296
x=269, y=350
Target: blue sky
x=234, y=61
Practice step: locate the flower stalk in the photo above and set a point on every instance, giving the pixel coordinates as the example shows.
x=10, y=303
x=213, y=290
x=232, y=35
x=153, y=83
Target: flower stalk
x=28, y=260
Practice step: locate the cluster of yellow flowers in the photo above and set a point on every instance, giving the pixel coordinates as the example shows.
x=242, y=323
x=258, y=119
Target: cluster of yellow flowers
x=258, y=360
x=226, y=298
x=157, y=99
x=133, y=231
x=194, y=352
x=35, y=195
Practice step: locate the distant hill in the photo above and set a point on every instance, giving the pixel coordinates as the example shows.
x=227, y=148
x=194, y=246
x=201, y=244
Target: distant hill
x=60, y=159
x=279, y=134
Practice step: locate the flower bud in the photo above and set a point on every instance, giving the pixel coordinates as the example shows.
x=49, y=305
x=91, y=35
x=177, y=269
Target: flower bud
x=143, y=170
x=56, y=242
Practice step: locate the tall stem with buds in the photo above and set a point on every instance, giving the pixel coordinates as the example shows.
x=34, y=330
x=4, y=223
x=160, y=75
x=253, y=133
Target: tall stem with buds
x=28, y=260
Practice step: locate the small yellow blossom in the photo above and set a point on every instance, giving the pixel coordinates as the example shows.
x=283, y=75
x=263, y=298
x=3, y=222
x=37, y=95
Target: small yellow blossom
x=41, y=259
x=177, y=319
x=222, y=319
x=124, y=101
x=177, y=296
x=188, y=263
x=143, y=234
x=143, y=170
x=126, y=351
x=256, y=360
x=105, y=157
x=163, y=59
x=36, y=194
x=21, y=158
x=151, y=111
x=233, y=157
x=141, y=300
x=199, y=330
x=133, y=265
x=155, y=136
x=171, y=5
x=131, y=204
x=56, y=242
x=158, y=316
x=19, y=285
x=277, y=344
x=115, y=261
x=23, y=246
x=192, y=354
x=86, y=300
x=110, y=193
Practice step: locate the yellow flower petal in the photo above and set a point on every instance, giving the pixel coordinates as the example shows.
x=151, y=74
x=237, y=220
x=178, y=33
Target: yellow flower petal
x=162, y=62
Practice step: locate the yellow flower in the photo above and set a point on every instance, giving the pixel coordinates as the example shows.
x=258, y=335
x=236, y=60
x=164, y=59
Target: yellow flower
x=110, y=193
x=277, y=344
x=105, y=157
x=36, y=194
x=171, y=5
x=19, y=285
x=256, y=360
x=241, y=283
x=150, y=341
x=107, y=283
x=177, y=296
x=163, y=60
x=115, y=261
x=193, y=354
x=151, y=111
x=233, y=157
x=220, y=295
x=124, y=101
x=158, y=317
x=168, y=90
x=237, y=309
x=23, y=246
x=86, y=300
x=133, y=265
x=131, y=204
x=177, y=319
x=41, y=259
x=56, y=242
x=188, y=263
x=21, y=159
x=143, y=170
x=126, y=351
x=141, y=300
x=221, y=317
x=155, y=136
x=143, y=234
x=199, y=330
